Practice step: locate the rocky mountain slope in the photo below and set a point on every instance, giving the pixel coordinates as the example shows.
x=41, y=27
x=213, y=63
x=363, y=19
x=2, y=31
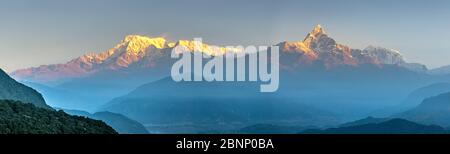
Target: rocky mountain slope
x=13, y=90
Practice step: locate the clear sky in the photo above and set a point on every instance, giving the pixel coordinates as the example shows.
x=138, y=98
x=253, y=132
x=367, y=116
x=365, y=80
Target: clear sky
x=35, y=32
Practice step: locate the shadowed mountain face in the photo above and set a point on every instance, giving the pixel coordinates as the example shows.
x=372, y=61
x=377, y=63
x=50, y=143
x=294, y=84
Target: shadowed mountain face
x=433, y=110
x=120, y=123
x=393, y=126
x=12, y=90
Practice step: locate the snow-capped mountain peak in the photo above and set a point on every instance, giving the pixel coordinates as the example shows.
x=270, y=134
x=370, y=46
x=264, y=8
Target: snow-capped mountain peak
x=384, y=55
x=136, y=43
x=317, y=30
x=314, y=35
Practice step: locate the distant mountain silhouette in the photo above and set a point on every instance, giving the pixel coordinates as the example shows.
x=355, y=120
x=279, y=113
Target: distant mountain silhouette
x=393, y=126
x=419, y=95
x=120, y=123
x=270, y=129
x=415, y=98
x=433, y=110
x=346, y=91
x=368, y=120
x=444, y=70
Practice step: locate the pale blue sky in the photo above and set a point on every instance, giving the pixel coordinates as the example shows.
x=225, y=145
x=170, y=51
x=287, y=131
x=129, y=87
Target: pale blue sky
x=35, y=32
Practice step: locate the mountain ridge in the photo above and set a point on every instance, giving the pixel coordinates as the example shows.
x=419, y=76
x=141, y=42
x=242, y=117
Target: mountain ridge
x=93, y=80
x=146, y=52
x=432, y=110
x=13, y=90
x=120, y=123
x=391, y=126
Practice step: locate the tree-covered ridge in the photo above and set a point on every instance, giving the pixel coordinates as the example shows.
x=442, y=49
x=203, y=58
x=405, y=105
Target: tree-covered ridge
x=24, y=118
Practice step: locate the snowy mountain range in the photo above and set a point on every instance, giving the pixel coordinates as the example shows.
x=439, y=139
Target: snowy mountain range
x=137, y=52
x=318, y=46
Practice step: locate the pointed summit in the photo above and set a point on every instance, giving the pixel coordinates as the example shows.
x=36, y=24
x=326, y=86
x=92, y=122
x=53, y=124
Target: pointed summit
x=315, y=34
x=317, y=30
